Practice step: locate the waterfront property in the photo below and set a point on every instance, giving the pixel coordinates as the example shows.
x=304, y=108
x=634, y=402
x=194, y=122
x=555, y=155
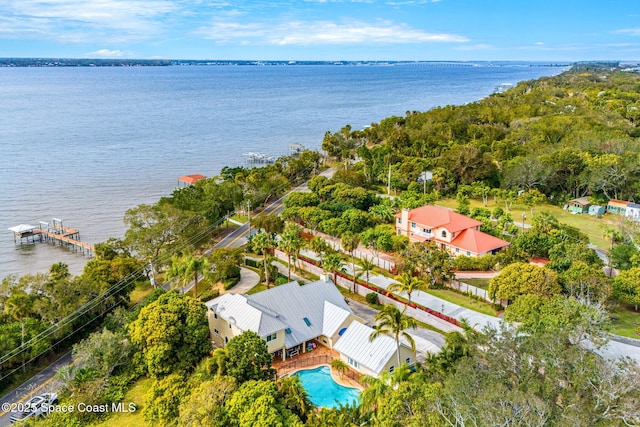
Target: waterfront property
x=190, y=179
x=291, y=318
x=371, y=357
x=459, y=234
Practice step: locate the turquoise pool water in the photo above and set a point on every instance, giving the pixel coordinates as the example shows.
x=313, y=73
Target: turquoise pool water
x=323, y=390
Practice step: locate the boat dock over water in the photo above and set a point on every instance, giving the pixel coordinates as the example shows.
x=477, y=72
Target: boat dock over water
x=259, y=158
x=53, y=232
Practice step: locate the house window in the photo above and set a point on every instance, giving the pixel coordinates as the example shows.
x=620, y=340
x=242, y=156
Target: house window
x=408, y=360
x=457, y=249
x=399, y=220
x=307, y=321
x=226, y=340
x=468, y=253
x=229, y=325
x=216, y=331
x=453, y=235
x=413, y=225
x=271, y=337
x=353, y=363
x=444, y=233
x=391, y=368
x=215, y=316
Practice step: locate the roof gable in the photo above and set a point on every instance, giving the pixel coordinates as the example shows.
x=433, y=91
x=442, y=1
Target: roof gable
x=477, y=241
x=435, y=216
x=303, y=311
x=374, y=355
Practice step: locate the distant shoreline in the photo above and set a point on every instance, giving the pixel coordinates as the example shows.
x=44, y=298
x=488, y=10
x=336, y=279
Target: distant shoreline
x=95, y=62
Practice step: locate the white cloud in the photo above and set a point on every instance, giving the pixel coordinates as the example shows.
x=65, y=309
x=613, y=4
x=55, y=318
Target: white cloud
x=539, y=43
x=106, y=53
x=629, y=31
x=323, y=33
x=84, y=20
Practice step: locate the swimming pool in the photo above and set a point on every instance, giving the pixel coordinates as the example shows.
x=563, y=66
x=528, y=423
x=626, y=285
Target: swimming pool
x=323, y=390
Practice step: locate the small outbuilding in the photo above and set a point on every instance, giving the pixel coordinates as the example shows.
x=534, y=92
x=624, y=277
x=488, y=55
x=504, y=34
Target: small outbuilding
x=579, y=205
x=617, y=206
x=597, y=210
x=633, y=211
x=190, y=179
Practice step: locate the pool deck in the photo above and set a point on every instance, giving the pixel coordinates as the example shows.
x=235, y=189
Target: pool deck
x=321, y=356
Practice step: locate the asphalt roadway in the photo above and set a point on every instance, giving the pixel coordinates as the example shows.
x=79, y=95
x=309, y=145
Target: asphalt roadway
x=44, y=381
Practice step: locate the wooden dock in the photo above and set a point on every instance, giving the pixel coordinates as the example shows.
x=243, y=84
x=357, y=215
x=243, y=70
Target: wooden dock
x=53, y=232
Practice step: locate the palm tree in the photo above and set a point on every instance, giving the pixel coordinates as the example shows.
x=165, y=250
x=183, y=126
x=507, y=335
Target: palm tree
x=408, y=283
x=19, y=306
x=339, y=366
x=187, y=268
x=262, y=243
x=391, y=321
x=294, y=397
x=614, y=235
x=350, y=242
x=291, y=243
x=378, y=388
x=333, y=263
x=366, y=267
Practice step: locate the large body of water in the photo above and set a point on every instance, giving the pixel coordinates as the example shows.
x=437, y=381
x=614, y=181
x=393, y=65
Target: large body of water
x=86, y=144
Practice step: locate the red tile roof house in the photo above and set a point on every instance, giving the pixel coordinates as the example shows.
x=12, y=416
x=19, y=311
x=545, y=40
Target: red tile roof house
x=459, y=234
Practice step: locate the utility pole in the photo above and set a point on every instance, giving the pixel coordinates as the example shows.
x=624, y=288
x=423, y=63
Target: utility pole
x=249, y=215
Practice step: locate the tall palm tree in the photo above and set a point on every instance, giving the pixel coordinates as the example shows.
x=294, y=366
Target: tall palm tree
x=295, y=397
x=406, y=282
x=262, y=243
x=333, y=263
x=350, y=242
x=19, y=306
x=366, y=267
x=378, y=388
x=391, y=321
x=291, y=243
x=189, y=267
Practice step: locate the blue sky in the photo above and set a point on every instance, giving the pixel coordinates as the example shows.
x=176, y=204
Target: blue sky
x=535, y=30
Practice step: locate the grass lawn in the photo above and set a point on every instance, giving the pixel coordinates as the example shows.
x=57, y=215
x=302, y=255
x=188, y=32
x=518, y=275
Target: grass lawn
x=478, y=283
x=135, y=394
x=240, y=218
x=625, y=321
x=590, y=225
x=140, y=292
x=463, y=301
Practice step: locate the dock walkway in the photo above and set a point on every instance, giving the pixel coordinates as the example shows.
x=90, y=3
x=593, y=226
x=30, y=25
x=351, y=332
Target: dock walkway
x=53, y=232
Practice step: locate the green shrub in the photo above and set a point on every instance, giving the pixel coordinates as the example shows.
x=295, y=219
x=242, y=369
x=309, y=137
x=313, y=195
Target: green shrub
x=231, y=282
x=252, y=263
x=209, y=294
x=371, y=298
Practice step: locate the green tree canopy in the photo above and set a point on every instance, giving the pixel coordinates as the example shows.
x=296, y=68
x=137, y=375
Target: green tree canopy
x=172, y=333
x=520, y=279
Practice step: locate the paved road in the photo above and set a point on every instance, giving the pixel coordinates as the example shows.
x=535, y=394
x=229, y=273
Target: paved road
x=42, y=382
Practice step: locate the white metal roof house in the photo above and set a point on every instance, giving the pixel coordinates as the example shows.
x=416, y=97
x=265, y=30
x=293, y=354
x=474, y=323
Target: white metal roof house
x=287, y=316
x=371, y=357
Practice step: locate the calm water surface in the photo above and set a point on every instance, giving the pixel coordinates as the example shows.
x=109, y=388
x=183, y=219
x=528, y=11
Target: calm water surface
x=86, y=144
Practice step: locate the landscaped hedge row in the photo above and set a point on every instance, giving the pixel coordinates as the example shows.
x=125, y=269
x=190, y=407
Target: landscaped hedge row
x=388, y=294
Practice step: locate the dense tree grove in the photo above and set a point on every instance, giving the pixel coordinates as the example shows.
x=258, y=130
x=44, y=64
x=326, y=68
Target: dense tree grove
x=567, y=136
x=542, y=141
